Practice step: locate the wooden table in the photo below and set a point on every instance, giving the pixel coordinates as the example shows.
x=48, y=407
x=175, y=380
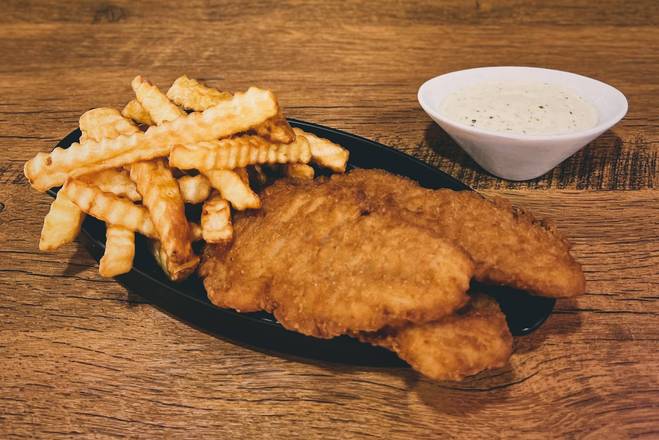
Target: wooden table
x=79, y=355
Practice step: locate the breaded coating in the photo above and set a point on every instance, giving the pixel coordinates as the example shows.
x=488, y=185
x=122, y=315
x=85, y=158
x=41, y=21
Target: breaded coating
x=475, y=339
x=509, y=246
x=319, y=258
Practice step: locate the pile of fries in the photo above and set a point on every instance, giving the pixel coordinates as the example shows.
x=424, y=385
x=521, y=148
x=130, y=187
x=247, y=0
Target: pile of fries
x=138, y=168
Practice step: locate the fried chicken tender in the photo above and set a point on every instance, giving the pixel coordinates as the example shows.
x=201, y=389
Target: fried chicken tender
x=509, y=246
x=319, y=258
x=474, y=339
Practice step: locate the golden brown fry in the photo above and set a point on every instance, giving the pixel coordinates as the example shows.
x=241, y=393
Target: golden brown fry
x=162, y=197
x=192, y=95
x=325, y=153
x=276, y=129
x=97, y=124
x=299, y=171
x=159, y=107
x=238, y=152
x=109, y=208
x=243, y=174
x=175, y=272
x=241, y=113
x=115, y=181
x=62, y=223
x=105, y=123
x=119, y=251
x=194, y=189
x=196, y=233
x=134, y=110
x=102, y=123
x=216, y=220
x=473, y=340
x=233, y=189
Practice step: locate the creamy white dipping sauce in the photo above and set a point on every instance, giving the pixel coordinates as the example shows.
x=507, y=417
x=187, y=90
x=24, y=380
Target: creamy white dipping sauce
x=532, y=108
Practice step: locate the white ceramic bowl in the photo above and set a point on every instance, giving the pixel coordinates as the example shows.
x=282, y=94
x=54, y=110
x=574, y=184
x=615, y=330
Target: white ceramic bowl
x=520, y=156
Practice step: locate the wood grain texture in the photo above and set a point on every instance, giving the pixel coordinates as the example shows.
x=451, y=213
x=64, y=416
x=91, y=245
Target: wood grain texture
x=81, y=356
x=353, y=66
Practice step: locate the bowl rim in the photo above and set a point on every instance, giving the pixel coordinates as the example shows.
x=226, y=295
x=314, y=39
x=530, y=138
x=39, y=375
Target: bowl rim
x=601, y=126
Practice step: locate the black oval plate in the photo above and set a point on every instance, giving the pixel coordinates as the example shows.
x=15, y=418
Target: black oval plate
x=187, y=300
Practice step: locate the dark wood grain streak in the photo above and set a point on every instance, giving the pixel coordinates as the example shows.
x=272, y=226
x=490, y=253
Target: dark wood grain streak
x=82, y=357
x=481, y=12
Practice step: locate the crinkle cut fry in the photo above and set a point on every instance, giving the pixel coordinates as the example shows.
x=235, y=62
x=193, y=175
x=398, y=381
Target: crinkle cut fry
x=162, y=193
x=276, y=129
x=134, y=110
x=177, y=272
x=105, y=123
x=162, y=197
x=108, y=123
x=241, y=113
x=243, y=174
x=238, y=152
x=62, y=223
x=196, y=233
x=157, y=105
x=299, y=171
x=233, y=188
x=192, y=95
x=325, y=152
x=473, y=340
x=64, y=219
x=119, y=251
x=194, y=189
x=109, y=208
x=115, y=181
x=216, y=220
